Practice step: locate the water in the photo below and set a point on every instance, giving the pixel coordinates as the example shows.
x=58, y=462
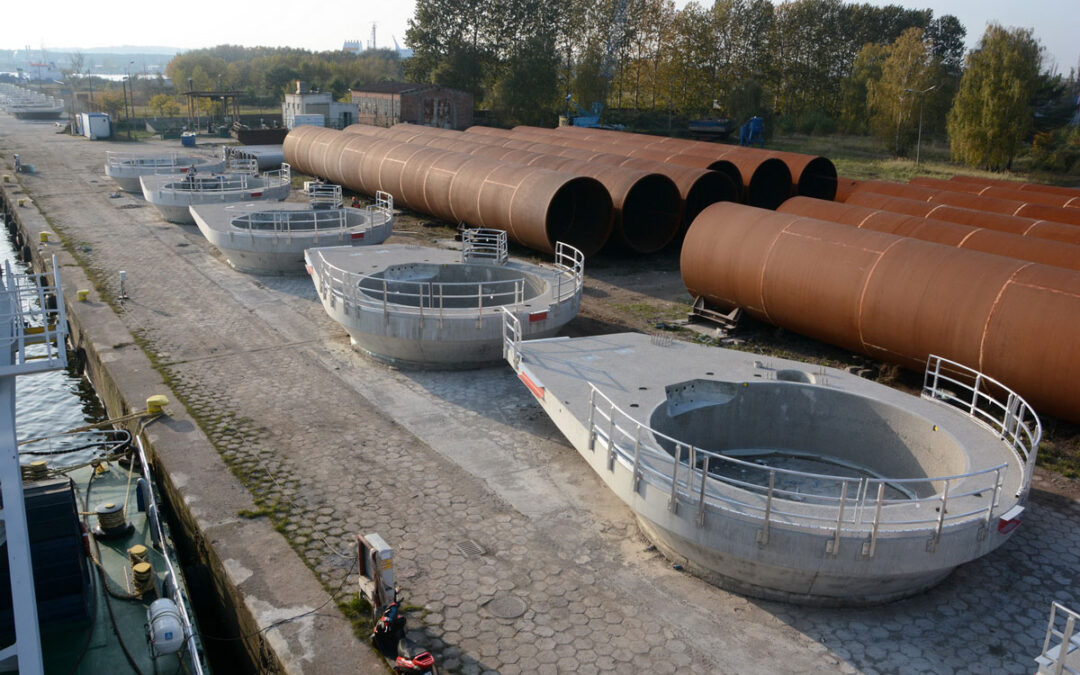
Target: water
x=53, y=402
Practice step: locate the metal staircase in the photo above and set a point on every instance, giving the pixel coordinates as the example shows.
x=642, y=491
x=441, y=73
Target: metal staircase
x=33, y=331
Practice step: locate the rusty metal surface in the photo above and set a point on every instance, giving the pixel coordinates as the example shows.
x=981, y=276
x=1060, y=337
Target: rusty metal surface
x=1042, y=251
x=894, y=298
x=813, y=176
x=647, y=207
x=1023, y=187
x=1027, y=227
x=966, y=200
x=1000, y=191
x=697, y=187
x=536, y=207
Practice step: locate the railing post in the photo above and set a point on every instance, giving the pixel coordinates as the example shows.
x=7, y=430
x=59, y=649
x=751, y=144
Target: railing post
x=763, y=534
x=833, y=547
x=611, y=437
x=871, y=547
x=1066, y=643
x=592, y=412
x=673, y=500
x=701, y=497
x=975, y=395
x=931, y=546
x=637, y=453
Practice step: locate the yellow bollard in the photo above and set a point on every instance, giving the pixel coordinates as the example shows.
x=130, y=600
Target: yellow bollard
x=44, y=236
x=22, y=202
x=82, y=293
x=156, y=404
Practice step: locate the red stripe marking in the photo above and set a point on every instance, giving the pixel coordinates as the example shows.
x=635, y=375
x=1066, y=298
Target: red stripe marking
x=537, y=316
x=536, y=389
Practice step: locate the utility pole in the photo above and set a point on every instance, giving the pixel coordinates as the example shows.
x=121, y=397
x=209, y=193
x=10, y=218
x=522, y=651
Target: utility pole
x=918, y=143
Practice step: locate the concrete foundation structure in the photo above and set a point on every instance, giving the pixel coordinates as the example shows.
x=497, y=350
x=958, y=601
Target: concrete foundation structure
x=172, y=195
x=792, y=482
x=259, y=239
x=418, y=306
x=126, y=168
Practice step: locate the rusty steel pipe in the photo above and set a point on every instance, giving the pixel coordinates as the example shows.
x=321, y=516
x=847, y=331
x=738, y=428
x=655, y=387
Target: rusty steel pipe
x=894, y=298
x=1001, y=192
x=1041, y=251
x=767, y=180
x=647, y=207
x=1023, y=187
x=965, y=200
x=1018, y=225
x=814, y=176
x=697, y=187
x=536, y=207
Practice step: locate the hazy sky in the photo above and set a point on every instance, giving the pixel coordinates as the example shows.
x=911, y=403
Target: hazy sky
x=326, y=24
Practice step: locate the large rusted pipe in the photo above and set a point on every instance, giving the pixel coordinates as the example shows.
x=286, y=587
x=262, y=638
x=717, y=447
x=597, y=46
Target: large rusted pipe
x=1042, y=251
x=536, y=207
x=1001, y=192
x=697, y=187
x=767, y=180
x=814, y=176
x=894, y=298
x=1026, y=227
x=647, y=207
x=1023, y=187
x=965, y=200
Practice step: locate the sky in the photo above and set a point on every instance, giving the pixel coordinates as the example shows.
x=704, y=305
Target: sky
x=327, y=24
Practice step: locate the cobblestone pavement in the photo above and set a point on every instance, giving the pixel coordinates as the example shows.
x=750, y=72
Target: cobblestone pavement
x=517, y=556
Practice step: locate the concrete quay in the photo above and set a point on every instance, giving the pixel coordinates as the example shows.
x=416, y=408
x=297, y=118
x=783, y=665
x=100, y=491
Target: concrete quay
x=519, y=558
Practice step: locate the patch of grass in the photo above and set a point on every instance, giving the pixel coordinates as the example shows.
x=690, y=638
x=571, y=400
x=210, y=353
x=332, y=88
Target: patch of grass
x=254, y=513
x=358, y=611
x=1060, y=456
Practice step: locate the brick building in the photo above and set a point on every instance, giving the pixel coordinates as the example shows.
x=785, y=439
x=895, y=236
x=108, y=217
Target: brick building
x=387, y=103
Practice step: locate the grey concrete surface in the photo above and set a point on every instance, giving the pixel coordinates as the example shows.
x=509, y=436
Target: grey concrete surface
x=492, y=513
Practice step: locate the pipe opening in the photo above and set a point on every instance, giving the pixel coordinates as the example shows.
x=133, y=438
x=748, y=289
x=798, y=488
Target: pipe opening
x=710, y=188
x=770, y=184
x=580, y=215
x=731, y=171
x=818, y=179
x=651, y=214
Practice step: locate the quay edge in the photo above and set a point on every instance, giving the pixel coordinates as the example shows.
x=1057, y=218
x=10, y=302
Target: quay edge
x=254, y=577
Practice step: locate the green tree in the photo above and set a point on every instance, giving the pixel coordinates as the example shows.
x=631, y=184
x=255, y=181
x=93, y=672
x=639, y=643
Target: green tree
x=112, y=102
x=529, y=92
x=893, y=100
x=993, y=109
x=164, y=105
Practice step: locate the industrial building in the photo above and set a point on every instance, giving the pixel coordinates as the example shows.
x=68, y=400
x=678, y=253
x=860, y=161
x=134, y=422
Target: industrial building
x=316, y=108
x=387, y=103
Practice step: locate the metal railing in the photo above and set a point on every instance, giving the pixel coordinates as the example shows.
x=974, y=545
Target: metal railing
x=324, y=195
x=435, y=299
x=226, y=184
x=246, y=165
x=990, y=404
x=307, y=223
x=511, y=338
x=34, y=322
x=158, y=164
x=481, y=244
x=1068, y=646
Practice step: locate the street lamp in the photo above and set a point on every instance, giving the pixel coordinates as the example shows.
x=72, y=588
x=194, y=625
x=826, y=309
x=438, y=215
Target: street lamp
x=128, y=85
x=918, y=143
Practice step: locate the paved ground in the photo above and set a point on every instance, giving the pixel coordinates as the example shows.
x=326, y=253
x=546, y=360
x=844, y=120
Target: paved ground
x=519, y=558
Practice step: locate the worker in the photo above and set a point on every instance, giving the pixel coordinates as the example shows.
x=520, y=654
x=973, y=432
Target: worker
x=355, y=202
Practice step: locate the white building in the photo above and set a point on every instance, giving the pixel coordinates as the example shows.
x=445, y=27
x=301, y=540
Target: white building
x=306, y=107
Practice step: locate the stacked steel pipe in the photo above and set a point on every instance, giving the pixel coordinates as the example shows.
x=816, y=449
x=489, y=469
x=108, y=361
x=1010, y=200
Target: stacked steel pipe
x=1002, y=191
x=536, y=207
x=1023, y=187
x=1013, y=207
x=894, y=298
x=766, y=180
x=1042, y=251
x=1027, y=227
x=647, y=207
x=697, y=187
x=814, y=176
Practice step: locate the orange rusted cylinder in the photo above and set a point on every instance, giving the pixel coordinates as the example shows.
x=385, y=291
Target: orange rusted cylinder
x=1026, y=227
x=536, y=207
x=966, y=200
x=1042, y=251
x=766, y=180
x=1023, y=187
x=647, y=206
x=894, y=298
x=1001, y=192
x=814, y=176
